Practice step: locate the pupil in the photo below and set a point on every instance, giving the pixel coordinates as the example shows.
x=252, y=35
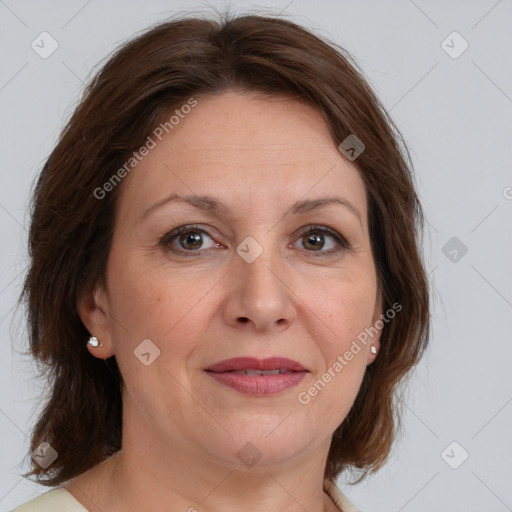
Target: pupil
x=315, y=241
x=193, y=239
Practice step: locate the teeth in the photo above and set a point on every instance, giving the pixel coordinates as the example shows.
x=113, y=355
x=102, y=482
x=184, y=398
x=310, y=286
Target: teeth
x=260, y=372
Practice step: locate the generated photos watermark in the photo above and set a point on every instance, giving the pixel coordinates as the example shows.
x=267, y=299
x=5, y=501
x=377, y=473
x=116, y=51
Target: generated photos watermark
x=151, y=143
x=363, y=338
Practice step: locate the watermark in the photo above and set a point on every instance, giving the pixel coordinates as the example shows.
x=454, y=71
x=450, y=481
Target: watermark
x=44, y=45
x=454, y=455
x=249, y=454
x=151, y=143
x=351, y=147
x=249, y=249
x=454, y=249
x=44, y=454
x=146, y=352
x=454, y=45
x=363, y=338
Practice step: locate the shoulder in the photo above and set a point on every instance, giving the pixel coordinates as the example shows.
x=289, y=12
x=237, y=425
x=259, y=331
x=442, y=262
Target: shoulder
x=339, y=498
x=56, y=500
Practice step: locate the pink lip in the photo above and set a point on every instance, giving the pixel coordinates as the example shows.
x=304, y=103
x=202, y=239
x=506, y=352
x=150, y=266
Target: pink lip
x=257, y=384
x=243, y=363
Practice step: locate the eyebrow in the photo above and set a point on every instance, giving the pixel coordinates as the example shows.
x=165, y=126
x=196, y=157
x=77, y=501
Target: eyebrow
x=211, y=205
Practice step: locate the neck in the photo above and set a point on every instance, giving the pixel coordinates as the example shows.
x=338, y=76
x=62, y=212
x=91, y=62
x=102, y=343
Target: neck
x=135, y=482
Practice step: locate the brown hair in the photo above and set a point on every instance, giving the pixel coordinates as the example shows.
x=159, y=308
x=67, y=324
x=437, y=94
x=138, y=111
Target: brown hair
x=71, y=230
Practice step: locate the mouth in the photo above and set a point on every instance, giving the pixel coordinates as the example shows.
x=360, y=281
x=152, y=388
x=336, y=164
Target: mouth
x=258, y=376
x=251, y=371
x=252, y=364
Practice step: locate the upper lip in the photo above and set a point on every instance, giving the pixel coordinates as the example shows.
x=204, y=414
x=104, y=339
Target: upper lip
x=246, y=363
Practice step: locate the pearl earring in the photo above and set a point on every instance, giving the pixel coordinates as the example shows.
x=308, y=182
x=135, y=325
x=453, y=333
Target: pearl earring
x=93, y=341
x=373, y=350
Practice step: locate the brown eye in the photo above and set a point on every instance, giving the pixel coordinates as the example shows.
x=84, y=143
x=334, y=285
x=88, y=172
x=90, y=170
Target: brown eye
x=190, y=240
x=317, y=238
x=187, y=239
x=315, y=241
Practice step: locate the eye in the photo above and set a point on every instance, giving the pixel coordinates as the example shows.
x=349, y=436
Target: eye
x=187, y=239
x=314, y=240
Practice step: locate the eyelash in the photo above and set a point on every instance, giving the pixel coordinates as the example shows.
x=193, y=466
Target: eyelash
x=343, y=244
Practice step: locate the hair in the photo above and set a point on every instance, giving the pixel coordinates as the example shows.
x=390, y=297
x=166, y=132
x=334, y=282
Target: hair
x=71, y=230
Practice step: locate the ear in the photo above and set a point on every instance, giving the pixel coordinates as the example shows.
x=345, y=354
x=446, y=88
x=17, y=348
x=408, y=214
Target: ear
x=377, y=324
x=92, y=309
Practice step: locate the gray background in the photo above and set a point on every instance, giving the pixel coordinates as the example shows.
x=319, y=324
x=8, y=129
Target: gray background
x=456, y=115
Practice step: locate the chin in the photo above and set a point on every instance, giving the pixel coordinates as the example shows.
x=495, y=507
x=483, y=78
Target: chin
x=264, y=445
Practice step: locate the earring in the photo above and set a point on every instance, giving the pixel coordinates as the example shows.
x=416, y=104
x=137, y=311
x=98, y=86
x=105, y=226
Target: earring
x=93, y=341
x=373, y=350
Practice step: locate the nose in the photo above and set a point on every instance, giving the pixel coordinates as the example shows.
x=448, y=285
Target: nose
x=259, y=297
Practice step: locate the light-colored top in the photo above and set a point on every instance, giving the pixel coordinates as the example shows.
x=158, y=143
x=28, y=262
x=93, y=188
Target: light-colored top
x=339, y=498
x=61, y=500
x=56, y=500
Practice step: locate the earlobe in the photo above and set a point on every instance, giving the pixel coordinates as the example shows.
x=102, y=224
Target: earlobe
x=94, y=315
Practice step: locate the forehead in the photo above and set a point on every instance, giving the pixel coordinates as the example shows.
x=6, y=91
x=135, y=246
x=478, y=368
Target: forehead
x=268, y=130
x=244, y=148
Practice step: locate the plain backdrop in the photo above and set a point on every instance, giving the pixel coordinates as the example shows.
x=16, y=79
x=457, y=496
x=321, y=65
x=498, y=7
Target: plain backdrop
x=454, y=106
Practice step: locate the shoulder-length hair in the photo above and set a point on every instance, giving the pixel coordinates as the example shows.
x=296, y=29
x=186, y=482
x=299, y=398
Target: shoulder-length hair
x=71, y=226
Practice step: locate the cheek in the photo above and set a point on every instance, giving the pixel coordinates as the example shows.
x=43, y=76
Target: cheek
x=163, y=307
x=331, y=392
x=346, y=309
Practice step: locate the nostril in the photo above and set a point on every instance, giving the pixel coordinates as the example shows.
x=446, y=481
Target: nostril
x=244, y=319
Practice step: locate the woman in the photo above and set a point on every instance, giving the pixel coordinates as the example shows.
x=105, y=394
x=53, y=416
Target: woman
x=226, y=282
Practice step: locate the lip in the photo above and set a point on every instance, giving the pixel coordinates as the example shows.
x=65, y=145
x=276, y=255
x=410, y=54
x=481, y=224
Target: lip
x=243, y=363
x=258, y=384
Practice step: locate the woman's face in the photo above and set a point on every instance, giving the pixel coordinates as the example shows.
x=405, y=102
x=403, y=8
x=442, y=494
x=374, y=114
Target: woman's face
x=260, y=275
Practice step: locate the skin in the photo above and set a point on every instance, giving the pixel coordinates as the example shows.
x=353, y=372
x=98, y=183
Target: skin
x=182, y=429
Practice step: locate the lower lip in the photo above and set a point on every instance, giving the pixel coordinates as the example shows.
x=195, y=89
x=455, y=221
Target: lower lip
x=258, y=384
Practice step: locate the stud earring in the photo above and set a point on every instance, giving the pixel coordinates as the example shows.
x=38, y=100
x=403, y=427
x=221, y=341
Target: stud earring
x=373, y=350
x=93, y=341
